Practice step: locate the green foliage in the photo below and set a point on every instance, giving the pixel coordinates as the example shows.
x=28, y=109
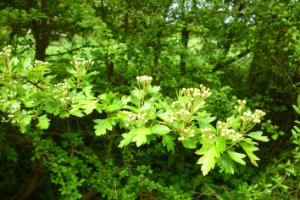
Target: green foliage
x=145, y=116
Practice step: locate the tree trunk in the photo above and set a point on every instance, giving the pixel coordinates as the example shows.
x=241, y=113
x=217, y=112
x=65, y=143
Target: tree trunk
x=41, y=32
x=185, y=33
x=109, y=70
x=157, y=50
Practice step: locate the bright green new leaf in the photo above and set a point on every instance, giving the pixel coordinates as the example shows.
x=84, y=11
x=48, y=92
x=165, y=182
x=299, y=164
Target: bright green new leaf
x=127, y=139
x=160, y=129
x=43, y=122
x=89, y=106
x=154, y=89
x=140, y=137
x=71, y=70
x=220, y=144
x=208, y=160
x=189, y=143
x=26, y=120
x=102, y=125
x=237, y=157
x=249, y=149
x=76, y=110
x=167, y=140
x=258, y=136
x=204, y=122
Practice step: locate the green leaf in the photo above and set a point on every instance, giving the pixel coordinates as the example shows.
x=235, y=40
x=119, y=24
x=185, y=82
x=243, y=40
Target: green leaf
x=205, y=122
x=296, y=108
x=221, y=144
x=249, y=149
x=26, y=120
x=208, y=160
x=71, y=70
x=43, y=122
x=226, y=164
x=189, y=143
x=116, y=105
x=89, y=106
x=102, y=125
x=140, y=137
x=237, y=157
x=258, y=136
x=160, y=129
x=51, y=106
x=167, y=140
x=127, y=139
x=154, y=89
x=76, y=110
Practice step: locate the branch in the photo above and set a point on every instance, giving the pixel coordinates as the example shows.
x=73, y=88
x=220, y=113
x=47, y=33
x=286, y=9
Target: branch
x=222, y=65
x=72, y=50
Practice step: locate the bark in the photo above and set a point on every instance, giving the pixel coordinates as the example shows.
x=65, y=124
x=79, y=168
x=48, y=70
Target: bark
x=34, y=180
x=185, y=33
x=109, y=70
x=157, y=50
x=42, y=33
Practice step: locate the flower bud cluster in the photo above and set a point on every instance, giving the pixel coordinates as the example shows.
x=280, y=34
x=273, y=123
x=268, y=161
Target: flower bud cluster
x=195, y=96
x=144, y=81
x=186, y=133
x=81, y=63
x=200, y=93
x=255, y=117
x=6, y=52
x=241, y=106
x=136, y=118
x=227, y=132
x=14, y=110
x=207, y=133
x=41, y=63
x=61, y=91
x=15, y=107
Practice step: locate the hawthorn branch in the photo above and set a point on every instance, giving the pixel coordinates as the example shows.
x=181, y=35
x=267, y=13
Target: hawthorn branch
x=72, y=50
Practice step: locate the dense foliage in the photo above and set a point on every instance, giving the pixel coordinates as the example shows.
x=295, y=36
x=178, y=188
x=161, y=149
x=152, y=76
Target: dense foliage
x=166, y=99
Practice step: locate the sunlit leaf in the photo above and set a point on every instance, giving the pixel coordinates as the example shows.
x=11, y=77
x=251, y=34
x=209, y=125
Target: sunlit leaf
x=160, y=129
x=237, y=157
x=189, y=143
x=208, y=160
x=43, y=122
x=258, y=136
x=102, y=125
x=167, y=140
x=249, y=149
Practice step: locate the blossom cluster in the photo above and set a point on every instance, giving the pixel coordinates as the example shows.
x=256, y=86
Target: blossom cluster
x=241, y=106
x=226, y=131
x=201, y=93
x=144, y=81
x=81, y=63
x=207, y=133
x=61, y=91
x=188, y=132
x=255, y=117
x=195, y=96
x=41, y=63
x=6, y=52
x=138, y=118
